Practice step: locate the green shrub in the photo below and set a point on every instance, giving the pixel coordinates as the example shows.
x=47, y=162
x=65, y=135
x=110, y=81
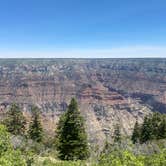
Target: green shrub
x=53, y=162
x=156, y=159
x=12, y=158
x=120, y=158
x=4, y=140
x=9, y=156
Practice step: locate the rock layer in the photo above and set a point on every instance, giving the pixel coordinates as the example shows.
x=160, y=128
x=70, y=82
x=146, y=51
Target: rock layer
x=109, y=91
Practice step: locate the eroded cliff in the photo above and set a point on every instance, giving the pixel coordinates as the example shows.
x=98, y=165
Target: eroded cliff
x=109, y=91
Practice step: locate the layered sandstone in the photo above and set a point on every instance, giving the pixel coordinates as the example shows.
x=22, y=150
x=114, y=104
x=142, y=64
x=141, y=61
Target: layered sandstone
x=109, y=91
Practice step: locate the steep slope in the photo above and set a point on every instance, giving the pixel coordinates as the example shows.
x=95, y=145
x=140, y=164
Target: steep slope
x=109, y=91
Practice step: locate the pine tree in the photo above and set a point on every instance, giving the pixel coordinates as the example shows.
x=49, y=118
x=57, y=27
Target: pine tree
x=117, y=133
x=35, y=128
x=15, y=121
x=153, y=128
x=156, y=120
x=72, y=138
x=136, y=133
x=162, y=129
x=147, y=130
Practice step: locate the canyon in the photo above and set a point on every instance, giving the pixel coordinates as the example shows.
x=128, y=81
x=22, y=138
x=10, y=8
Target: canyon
x=108, y=91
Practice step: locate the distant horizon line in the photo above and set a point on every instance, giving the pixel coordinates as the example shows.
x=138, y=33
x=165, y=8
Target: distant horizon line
x=124, y=52
x=13, y=58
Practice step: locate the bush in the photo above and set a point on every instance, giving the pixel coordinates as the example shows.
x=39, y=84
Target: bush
x=9, y=156
x=5, y=144
x=12, y=158
x=151, y=153
x=48, y=161
x=120, y=158
x=156, y=159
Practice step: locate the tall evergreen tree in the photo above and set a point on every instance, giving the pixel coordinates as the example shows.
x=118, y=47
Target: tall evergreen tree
x=35, y=128
x=162, y=129
x=15, y=121
x=156, y=120
x=117, y=133
x=72, y=138
x=136, y=133
x=146, y=130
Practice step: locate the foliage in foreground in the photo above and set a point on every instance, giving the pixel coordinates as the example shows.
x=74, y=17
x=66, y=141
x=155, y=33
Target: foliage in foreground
x=115, y=158
x=52, y=162
x=9, y=156
x=126, y=153
x=118, y=154
x=148, y=147
x=127, y=158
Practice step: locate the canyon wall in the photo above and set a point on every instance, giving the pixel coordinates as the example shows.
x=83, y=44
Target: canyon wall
x=109, y=91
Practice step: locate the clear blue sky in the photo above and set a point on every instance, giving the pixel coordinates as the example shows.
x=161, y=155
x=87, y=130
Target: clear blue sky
x=82, y=28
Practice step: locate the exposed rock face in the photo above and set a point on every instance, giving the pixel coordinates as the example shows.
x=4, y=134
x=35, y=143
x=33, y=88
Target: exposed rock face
x=109, y=91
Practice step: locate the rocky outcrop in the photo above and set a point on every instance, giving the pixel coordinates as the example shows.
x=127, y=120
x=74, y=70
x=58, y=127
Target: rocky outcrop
x=109, y=91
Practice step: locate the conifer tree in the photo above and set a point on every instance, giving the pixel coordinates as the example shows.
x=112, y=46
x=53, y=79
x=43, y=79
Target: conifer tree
x=156, y=120
x=146, y=130
x=117, y=133
x=15, y=121
x=35, y=128
x=162, y=129
x=153, y=127
x=136, y=133
x=72, y=138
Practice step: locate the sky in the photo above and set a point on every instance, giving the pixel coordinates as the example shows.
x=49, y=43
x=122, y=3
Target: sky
x=82, y=28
